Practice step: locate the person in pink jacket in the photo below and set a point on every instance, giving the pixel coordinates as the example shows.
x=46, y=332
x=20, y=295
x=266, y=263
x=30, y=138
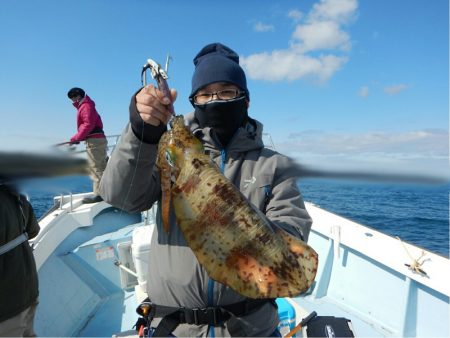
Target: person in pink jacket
x=90, y=130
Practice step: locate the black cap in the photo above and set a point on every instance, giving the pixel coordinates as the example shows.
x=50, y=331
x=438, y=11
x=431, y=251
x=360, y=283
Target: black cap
x=217, y=63
x=74, y=92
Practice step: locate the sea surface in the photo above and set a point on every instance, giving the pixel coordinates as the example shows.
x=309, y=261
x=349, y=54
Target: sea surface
x=418, y=214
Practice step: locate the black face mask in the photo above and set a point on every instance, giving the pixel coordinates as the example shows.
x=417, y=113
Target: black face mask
x=223, y=117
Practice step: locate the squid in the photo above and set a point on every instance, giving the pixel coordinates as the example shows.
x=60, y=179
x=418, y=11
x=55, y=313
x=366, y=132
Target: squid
x=235, y=244
x=231, y=239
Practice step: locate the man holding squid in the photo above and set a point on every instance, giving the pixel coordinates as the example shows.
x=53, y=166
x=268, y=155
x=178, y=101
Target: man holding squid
x=233, y=140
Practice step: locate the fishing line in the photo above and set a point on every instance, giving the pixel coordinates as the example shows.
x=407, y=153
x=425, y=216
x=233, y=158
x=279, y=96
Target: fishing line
x=156, y=71
x=135, y=167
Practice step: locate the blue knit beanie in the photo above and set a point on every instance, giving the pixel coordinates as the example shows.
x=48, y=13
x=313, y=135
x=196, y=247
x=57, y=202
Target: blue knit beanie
x=217, y=63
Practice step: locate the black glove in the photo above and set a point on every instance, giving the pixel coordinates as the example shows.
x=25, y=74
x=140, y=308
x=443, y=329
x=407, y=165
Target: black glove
x=144, y=131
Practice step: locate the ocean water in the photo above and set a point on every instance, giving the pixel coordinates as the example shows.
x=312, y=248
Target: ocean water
x=41, y=192
x=418, y=214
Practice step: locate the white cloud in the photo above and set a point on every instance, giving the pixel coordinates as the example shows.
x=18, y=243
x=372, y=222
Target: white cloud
x=428, y=142
x=320, y=35
x=363, y=91
x=421, y=151
x=295, y=15
x=395, y=89
x=341, y=11
x=322, y=30
x=282, y=65
x=261, y=27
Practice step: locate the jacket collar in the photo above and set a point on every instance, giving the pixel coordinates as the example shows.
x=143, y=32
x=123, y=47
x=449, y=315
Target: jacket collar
x=246, y=138
x=78, y=104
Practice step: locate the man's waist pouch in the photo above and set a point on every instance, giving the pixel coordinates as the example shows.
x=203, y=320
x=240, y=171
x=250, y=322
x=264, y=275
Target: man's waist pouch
x=96, y=130
x=213, y=315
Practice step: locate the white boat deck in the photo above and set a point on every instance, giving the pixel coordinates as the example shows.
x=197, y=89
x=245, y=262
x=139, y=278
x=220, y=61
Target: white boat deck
x=362, y=276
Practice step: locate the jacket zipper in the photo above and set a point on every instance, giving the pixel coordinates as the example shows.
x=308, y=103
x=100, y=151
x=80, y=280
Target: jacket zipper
x=223, y=156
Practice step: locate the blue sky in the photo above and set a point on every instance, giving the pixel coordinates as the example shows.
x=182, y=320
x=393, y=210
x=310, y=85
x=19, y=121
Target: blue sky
x=337, y=83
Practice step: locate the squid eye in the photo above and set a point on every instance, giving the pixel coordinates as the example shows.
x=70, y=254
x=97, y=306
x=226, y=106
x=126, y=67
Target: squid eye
x=169, y=158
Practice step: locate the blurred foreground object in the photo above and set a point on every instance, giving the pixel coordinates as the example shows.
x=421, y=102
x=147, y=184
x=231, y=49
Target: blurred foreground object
x=301, y=171
x=25, y=164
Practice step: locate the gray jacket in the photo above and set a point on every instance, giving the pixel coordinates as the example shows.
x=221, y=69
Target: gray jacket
x=131, y=182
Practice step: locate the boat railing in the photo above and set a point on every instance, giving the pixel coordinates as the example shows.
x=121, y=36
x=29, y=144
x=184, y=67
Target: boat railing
x=112, y=142
x=59, y=202
x=114, y=139
x=75, y=149
x=268, y=141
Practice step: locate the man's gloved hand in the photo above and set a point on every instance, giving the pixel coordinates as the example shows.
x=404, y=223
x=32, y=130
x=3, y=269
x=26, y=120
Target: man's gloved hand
x=149, y=113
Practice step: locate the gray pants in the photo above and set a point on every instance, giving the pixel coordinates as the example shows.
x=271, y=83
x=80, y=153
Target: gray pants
x=20, y=325
x=97, y=157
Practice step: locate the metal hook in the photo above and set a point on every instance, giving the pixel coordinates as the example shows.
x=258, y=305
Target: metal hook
x=156, y=70
x=160, y=75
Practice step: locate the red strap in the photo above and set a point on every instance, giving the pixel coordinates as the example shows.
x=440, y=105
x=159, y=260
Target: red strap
x=141, y=331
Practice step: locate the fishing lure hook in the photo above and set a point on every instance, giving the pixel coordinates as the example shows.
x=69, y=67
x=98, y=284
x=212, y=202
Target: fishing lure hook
x=160, y=76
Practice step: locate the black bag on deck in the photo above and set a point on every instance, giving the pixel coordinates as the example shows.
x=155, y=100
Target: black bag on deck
x=330, y=327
